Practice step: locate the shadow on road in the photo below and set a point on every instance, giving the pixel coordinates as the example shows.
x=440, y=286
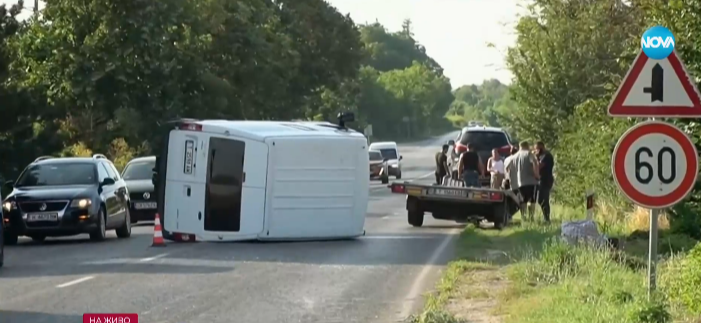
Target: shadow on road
x=73, y=241
x=372, y=250
x=36, y=317
x=111, y=266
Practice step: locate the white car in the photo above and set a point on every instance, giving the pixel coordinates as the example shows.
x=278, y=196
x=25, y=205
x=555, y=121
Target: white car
x=390, y=152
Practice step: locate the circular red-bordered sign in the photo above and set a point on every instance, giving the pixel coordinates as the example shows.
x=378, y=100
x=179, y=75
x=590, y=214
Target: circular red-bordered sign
x=655, y=164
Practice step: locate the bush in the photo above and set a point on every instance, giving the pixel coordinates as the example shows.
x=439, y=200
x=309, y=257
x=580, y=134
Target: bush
x=682, y=281
x=676, y=242
x=650, y=312
x=684, y=220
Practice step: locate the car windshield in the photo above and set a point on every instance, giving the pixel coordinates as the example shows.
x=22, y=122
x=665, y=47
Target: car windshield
x=389, y=153
x=58, y=174
x=485, y=140
x=375, y=155
x=140, y=170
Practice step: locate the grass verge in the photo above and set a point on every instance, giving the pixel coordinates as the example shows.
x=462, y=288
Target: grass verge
x=523, y=274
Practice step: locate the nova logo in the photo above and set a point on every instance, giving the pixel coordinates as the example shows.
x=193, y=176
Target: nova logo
x=657, y=42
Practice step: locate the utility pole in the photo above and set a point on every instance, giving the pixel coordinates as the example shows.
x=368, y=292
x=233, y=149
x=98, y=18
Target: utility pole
x=36, y=6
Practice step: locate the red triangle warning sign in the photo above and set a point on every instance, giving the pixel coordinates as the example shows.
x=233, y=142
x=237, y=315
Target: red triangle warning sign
x=657, y=88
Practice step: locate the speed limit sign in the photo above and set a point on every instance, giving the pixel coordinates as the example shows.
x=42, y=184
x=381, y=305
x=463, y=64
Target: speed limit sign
x=655, y=164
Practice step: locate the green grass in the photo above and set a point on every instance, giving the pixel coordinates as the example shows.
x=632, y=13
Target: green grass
x=546, y=279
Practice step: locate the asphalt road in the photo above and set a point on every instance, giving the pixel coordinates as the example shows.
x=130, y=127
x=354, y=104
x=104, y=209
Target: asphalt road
x=377, y=278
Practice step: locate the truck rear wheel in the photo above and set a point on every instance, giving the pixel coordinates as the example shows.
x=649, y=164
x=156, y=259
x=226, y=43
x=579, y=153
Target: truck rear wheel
x=416, y=218
x=500, y=216
x=416, y=213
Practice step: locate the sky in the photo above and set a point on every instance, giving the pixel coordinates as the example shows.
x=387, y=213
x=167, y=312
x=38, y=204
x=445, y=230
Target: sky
x=454, y=32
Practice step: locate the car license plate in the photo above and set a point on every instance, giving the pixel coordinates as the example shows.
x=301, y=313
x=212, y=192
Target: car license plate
x=189, y=152
x=145, y=205
x=33, y=217
x=449, y=192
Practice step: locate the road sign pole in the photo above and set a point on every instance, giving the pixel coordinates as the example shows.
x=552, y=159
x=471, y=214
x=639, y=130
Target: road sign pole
x=652, y=254
x=652, y=251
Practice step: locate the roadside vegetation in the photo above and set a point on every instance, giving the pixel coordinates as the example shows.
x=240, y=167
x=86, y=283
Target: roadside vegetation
x=569, y=58
x=97, y=76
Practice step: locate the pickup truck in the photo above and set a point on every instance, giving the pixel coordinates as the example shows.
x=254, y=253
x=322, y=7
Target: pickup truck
x=453, y=201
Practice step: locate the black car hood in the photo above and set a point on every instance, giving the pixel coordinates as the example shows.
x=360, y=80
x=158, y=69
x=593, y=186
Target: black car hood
x=52, y=192
x=139, y=185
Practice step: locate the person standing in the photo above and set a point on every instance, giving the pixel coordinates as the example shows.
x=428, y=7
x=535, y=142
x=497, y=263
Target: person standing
x=442, y=168
x=528, y=174
x=470, y=167
x=510, y=180
x=495, y=166
x=547, y=180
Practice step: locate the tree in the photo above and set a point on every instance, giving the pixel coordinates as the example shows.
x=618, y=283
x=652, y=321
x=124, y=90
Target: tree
x=424, y=96
x=489, y=102
x=90, y=76
x=566, y=53
x=393, y=51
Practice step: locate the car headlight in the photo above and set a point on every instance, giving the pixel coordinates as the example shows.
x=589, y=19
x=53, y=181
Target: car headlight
x=9, y=205
x=81, y=203
x=394, y=165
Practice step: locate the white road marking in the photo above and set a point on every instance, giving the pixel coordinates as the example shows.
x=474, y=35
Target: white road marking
x=74, y=282
x=415, y=291
x=153, y=258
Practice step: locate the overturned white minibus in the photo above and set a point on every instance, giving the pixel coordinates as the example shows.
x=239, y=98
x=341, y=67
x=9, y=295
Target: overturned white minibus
x=220, y=180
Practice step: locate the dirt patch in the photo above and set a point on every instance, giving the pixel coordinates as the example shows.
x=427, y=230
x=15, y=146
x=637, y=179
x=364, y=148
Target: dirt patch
x=475, y=297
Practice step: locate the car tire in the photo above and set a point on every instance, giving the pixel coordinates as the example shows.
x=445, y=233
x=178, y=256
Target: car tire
x=385, y=180
x=399, y=174
x=100, y=232
x=38, y=238
x=125, y=230
x=10, y=239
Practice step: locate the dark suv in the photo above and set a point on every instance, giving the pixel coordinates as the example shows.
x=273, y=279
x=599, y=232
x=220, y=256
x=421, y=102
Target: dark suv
x=138, y=175
x=67, y=196
x=484, y=139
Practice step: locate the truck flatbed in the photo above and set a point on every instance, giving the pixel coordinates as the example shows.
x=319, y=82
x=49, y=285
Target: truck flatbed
x=458, y=203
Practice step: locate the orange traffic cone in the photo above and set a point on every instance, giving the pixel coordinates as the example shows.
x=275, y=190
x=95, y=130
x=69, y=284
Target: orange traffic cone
x=158, y=233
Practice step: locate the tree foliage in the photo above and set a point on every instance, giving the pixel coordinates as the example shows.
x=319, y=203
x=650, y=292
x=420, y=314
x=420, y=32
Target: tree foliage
x=569, y=58
x=489, y=102
x=90, y=76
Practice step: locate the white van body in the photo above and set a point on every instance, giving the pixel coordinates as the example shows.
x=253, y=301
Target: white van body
x=265, y=180
x=390, y=150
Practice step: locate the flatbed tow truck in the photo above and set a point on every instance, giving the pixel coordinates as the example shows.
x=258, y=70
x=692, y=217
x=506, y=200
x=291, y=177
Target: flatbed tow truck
x=453, y=201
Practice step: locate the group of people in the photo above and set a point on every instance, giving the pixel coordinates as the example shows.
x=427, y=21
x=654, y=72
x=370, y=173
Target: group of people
x=528, y=173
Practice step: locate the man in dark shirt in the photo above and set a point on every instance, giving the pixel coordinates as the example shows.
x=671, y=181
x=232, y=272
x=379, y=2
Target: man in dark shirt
x=547, y=180
x=470, y=167
x=442, y=168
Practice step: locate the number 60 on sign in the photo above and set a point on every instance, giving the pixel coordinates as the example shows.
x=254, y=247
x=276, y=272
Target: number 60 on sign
x=655, y=164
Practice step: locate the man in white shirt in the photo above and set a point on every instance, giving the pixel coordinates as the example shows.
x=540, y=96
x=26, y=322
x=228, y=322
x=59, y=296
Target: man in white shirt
x=495, y=166
x=510, y=172
x=452, y=157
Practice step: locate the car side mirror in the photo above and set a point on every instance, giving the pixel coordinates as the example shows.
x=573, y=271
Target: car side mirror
x=107, y=181
x=401, y=157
